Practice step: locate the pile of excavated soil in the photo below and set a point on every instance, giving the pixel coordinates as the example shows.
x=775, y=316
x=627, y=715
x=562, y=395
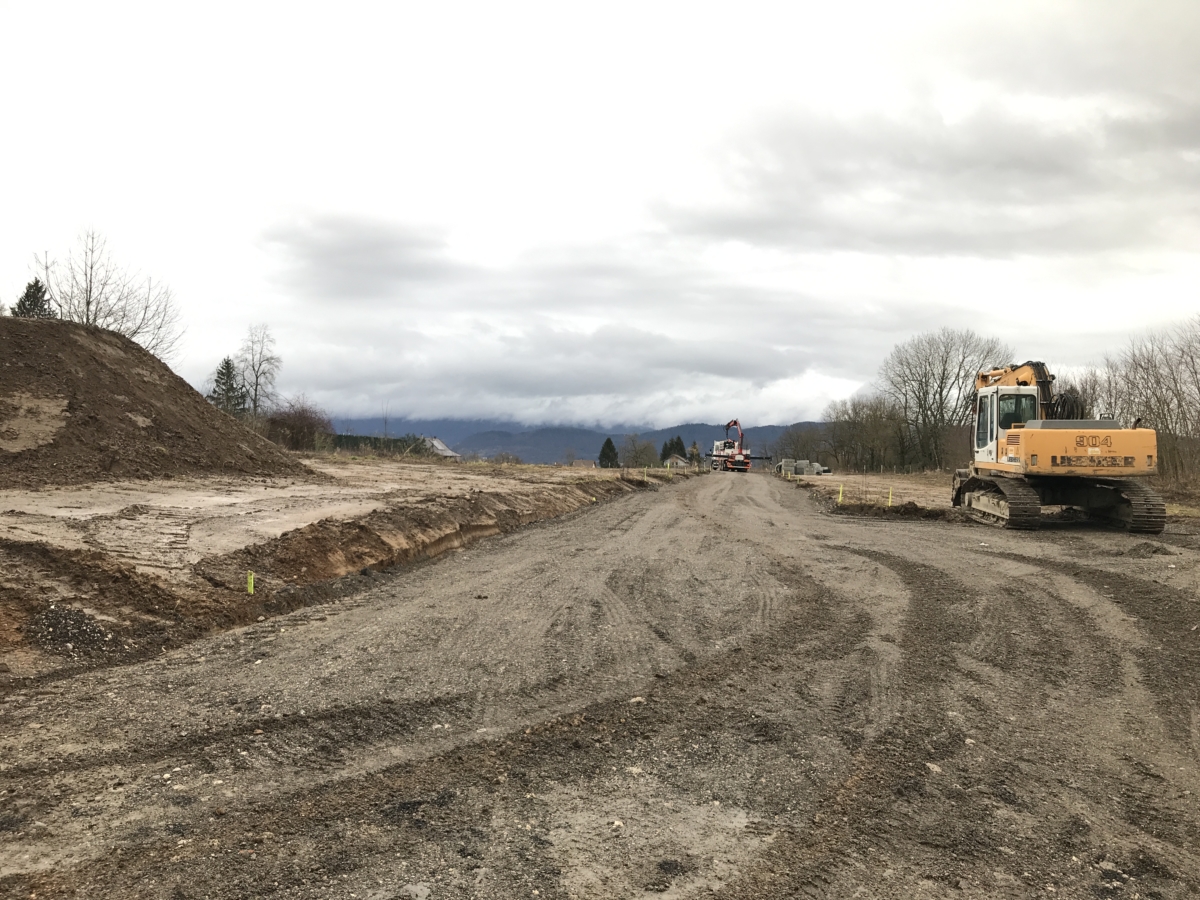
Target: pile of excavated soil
x=80, y=606
x=80, y=404
x=906, y=510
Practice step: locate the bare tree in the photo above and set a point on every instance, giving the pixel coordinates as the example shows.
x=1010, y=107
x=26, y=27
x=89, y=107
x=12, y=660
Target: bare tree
x=91, y=289
x=929, y=381
x=636, y=453
x=259, y=365
x=1155, y=381
x=806, y=441
x=864, y=433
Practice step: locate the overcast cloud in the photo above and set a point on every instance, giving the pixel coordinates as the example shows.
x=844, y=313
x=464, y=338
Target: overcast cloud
x=994, y=183
x=648, y=215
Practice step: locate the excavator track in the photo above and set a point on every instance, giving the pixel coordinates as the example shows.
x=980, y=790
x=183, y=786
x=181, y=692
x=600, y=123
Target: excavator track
x=1013, y=503
x=1147, y=513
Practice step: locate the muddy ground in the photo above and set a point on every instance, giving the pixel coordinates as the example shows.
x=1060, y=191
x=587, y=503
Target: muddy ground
x=714, y=688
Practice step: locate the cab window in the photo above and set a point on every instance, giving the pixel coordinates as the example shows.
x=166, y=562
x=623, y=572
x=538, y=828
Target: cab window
x=983, y=422
x=1016, y=409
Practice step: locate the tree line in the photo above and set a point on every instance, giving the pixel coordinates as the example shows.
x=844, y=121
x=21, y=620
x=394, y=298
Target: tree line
x=243, y=385
x=1153, y=381
x=917, y=414
x=636, y=453
x=89, y=287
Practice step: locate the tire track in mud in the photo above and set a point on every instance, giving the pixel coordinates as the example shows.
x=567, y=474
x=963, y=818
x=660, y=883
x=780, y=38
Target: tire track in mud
x=920, y=801
x=453, y=806
x=1170, y=619
x=878, y=803
x=347, y=726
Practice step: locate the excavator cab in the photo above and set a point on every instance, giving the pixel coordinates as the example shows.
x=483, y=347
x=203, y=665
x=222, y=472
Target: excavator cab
x=999, y=411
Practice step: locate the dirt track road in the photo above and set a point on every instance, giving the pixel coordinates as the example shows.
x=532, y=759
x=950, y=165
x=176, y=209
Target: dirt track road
x=710, y=688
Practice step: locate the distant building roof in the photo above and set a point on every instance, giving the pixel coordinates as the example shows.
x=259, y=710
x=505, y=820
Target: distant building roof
x=675, y=461
x=439, y=448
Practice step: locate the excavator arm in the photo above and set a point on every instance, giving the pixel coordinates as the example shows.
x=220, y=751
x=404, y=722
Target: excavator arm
x=1023, y=375
x=1067, y=405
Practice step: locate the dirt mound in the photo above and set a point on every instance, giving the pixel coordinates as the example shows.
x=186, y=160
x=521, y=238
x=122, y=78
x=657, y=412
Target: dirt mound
x=908, y=510
x=79, y=404
x=1147, y=549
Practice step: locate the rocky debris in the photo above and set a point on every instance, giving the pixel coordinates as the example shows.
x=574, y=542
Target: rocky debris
x=69, y=632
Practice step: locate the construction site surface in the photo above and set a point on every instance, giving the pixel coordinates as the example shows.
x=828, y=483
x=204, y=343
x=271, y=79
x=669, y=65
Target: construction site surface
x=458, y=681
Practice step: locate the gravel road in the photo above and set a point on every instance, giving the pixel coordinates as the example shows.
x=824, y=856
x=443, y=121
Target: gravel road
x=714, y=688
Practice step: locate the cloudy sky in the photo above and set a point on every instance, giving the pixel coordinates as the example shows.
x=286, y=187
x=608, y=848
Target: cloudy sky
x=616, y=213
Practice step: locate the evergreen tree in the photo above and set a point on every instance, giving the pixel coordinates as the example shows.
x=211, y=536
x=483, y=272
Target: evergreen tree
x=229, y=391
x=673, y=446
x=665, y=453
x=693, y=454
x=608, y=455
x=35, y=303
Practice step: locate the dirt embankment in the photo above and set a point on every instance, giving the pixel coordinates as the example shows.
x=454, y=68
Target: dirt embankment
x=80, y=404
x=87, y=587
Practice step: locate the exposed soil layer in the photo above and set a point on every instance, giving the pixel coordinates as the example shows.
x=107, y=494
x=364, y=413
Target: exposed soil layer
x=711, y=689
x=80, y=404
x=99, y=576
x=907, y=510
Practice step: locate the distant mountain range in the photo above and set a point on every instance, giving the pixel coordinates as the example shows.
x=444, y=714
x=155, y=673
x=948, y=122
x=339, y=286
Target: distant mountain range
x=535, y=444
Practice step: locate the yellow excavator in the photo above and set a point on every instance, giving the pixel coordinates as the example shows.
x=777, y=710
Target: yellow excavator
x=1035, y=449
